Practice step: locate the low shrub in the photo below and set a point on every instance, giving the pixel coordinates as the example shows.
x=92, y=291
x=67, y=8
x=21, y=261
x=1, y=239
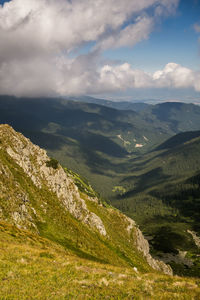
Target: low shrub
x=52, y=163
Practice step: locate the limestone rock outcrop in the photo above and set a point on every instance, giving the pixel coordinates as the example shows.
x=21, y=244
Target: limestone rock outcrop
x=33, y=160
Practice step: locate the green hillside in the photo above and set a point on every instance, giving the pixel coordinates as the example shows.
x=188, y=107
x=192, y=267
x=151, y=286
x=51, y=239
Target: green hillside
x=173, y=168
x=176, y=116
x=179, y=140
x=163, y=195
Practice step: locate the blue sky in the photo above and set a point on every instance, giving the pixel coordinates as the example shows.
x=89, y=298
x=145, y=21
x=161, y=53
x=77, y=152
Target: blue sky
x=174, y=40
x=2, y=1
x=75, y=48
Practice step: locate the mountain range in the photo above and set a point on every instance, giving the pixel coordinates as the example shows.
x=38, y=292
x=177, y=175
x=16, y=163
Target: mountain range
x=144, y=162
x=55, y=233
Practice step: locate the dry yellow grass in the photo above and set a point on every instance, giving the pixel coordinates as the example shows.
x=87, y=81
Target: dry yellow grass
x=34, y=268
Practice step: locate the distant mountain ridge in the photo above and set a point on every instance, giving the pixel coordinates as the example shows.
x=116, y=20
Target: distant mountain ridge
x=179, y=139
x=177, y=116
x=121, y=105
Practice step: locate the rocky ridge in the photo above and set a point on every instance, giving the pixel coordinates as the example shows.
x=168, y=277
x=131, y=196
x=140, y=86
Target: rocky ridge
x=143, y=246
x=33, y=161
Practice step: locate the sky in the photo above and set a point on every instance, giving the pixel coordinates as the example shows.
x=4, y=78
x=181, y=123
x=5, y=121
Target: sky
x=115, y=49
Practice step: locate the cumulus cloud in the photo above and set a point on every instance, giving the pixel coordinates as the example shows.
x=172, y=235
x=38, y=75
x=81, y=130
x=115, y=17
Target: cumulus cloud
x=39, y=39
x=176, y=76
x=172, y=76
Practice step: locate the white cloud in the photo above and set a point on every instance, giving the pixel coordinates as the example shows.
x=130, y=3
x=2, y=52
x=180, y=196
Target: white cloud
x=38, y=37
x=37, y=27
x=172, y=76
x=123, y=77
x=130, y=35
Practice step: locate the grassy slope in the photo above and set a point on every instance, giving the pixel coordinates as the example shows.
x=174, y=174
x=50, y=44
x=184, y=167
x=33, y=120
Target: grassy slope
x=56, y=224
x=32, y=267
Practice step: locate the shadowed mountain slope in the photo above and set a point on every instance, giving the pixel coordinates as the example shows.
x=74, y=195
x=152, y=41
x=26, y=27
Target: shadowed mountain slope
x=163, y=191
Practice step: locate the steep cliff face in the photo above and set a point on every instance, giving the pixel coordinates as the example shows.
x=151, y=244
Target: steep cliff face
x=33, y=160
x=37, y=196
x=143, y=246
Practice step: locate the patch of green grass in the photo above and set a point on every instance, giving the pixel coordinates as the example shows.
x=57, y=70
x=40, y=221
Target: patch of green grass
x=47, y=255
x=52, y=163
x=83, y=185
x=119, y=189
